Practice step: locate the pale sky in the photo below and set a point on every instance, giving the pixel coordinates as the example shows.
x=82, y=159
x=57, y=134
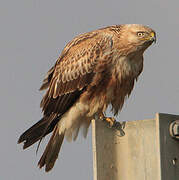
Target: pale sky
x=32, y=35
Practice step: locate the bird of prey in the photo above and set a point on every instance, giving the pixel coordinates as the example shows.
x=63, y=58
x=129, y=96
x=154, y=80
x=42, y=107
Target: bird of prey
x=94, y=70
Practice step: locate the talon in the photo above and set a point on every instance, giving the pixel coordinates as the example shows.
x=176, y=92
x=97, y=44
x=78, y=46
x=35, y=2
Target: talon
x=112, y=123
x=123, y=124
x=119, y=126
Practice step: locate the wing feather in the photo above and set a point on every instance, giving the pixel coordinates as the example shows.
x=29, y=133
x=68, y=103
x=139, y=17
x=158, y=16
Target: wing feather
x=76, y=67
x=47, y=79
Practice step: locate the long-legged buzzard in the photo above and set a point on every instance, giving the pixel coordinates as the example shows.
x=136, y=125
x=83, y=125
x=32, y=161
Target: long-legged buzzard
x=94, y=70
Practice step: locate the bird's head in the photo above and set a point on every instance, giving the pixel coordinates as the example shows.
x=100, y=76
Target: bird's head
x=138, y=35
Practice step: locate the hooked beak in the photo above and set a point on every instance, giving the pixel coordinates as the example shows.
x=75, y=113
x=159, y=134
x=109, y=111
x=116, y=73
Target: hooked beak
x=153, y=37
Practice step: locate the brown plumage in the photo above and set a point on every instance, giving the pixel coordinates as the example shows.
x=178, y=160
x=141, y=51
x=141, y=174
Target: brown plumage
x=94, y=70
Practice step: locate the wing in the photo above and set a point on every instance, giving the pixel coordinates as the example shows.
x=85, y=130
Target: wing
x=75, y=69
x=80, y=61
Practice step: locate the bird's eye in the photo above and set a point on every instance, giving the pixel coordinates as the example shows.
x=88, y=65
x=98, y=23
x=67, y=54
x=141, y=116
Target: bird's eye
x=140, y=34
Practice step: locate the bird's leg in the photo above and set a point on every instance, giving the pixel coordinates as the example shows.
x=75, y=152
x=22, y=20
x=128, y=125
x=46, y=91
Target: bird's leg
x=112, y=123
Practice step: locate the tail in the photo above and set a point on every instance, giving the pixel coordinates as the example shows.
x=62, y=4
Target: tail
x=37, y=132
x=34, y=133
x=67, y=124
x=52, y=150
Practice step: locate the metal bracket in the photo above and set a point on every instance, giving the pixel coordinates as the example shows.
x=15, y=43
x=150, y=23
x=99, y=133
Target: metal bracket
x=174, y=129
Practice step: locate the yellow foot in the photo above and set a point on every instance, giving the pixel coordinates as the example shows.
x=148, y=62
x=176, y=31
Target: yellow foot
x=112, y=123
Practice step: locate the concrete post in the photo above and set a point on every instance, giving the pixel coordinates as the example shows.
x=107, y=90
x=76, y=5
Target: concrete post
x=146, y=152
